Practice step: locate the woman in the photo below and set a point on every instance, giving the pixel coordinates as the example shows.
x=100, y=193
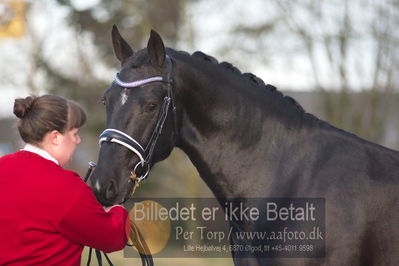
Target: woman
x=48, y=213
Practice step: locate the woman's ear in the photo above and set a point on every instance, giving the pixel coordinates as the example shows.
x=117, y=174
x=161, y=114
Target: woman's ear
x=53, y=137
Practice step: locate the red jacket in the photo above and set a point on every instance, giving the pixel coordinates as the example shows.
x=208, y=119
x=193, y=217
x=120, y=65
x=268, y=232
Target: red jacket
x=47, y=214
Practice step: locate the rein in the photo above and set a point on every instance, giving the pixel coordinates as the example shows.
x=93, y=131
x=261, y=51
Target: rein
x=137, y=241
x=144, y=154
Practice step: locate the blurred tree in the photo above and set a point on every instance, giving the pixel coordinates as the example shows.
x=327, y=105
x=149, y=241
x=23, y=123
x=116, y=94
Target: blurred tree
x=351, y=46
x=135, y=17
x=91, y=28
x=350, y=35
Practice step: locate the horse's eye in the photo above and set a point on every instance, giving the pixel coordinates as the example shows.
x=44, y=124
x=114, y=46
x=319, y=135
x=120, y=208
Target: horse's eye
x=151, y=107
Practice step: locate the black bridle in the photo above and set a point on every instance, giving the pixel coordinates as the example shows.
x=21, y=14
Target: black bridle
x=144, y=154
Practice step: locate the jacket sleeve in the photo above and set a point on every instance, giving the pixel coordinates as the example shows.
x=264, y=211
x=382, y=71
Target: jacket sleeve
x=87, y=223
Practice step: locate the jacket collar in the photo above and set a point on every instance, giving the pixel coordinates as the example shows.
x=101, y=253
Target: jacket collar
x=40, y=152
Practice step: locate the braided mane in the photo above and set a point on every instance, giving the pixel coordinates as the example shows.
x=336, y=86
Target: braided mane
x=249, y=76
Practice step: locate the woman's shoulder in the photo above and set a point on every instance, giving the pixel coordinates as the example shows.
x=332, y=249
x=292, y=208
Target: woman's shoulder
x=21, y=161
x=12, y=156
x=40, y=183
x=33, y=166
x=25, y=157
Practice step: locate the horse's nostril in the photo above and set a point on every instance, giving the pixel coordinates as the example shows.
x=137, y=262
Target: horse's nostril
x=111, y=191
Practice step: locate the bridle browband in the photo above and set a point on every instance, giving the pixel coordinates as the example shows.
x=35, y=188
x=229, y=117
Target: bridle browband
x=116, y=136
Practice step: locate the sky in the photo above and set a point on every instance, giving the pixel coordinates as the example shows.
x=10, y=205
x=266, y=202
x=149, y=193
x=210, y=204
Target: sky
x=212, y=25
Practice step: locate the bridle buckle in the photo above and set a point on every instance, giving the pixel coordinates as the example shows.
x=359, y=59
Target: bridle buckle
x=136, y=182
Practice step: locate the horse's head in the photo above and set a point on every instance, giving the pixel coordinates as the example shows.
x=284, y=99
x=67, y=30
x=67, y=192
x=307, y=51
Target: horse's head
x=141, y=122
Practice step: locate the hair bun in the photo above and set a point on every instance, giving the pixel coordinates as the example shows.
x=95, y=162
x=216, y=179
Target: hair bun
x=23, y=106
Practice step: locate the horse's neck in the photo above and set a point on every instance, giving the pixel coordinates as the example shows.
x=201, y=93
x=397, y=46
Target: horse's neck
x=229, y=135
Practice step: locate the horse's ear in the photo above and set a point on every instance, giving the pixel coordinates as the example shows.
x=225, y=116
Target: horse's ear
x=121, y=48
x=156, y=49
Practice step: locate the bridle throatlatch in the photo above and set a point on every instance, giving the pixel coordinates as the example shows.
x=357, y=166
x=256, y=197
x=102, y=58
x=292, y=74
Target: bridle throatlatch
x=144, y=154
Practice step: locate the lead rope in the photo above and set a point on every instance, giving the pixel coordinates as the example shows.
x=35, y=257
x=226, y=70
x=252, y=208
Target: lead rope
x=138, y=239
x=138, y=242
x=92, y=165
x=99, y=257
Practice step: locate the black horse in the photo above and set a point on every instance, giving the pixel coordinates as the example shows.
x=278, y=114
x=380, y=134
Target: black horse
x=247, y=140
